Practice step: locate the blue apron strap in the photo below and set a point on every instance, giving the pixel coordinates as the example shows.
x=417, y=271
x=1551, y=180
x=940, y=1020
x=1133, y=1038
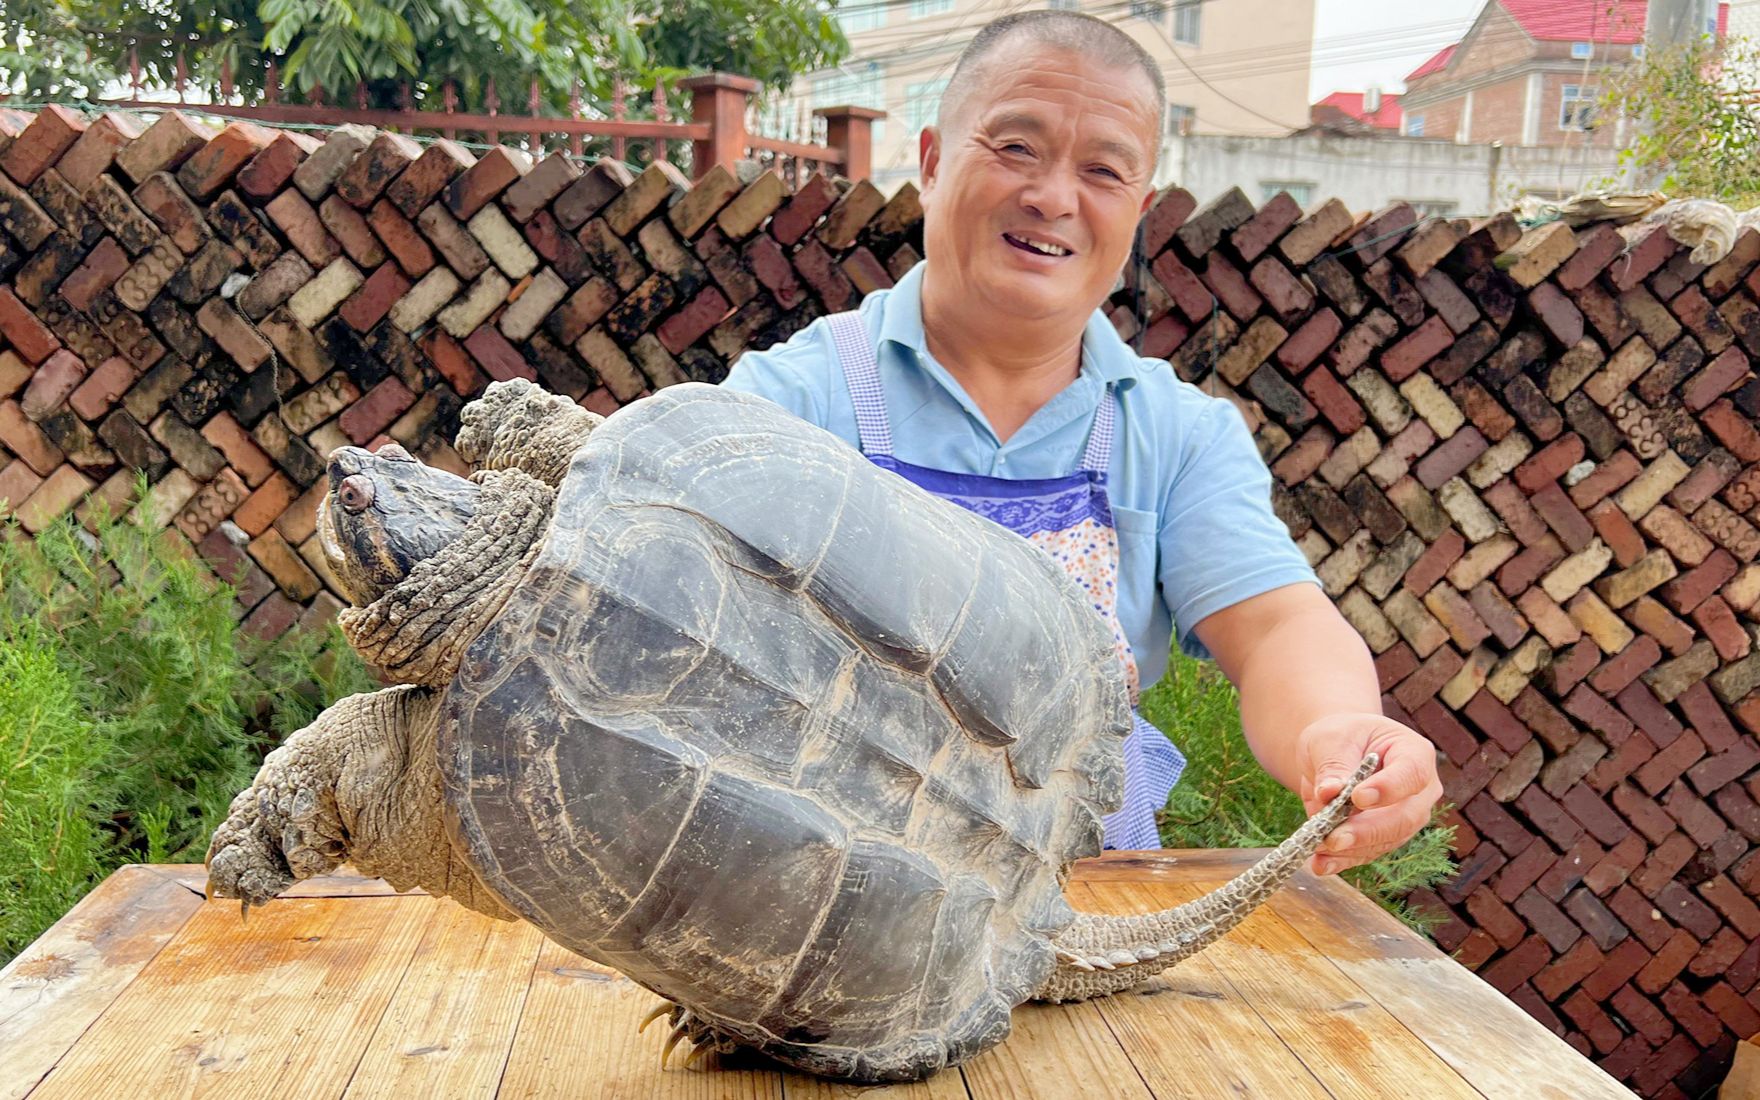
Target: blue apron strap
x=1098, y=457
x=855, y=352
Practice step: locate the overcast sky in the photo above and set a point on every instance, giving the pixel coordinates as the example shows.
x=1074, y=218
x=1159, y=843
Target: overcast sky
x=1363, y=42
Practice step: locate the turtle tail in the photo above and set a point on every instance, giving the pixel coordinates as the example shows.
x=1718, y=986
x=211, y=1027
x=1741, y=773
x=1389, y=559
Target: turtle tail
x=1101, y=954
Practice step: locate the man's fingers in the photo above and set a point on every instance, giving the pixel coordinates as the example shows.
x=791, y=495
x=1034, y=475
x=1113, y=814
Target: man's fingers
x=1408, y=765
x=1382, y=829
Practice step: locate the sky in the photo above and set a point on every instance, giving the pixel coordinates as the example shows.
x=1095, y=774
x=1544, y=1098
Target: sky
x=1363, y=42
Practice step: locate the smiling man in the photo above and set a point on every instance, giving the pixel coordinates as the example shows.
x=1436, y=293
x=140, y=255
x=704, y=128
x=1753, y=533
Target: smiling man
x=989, y=377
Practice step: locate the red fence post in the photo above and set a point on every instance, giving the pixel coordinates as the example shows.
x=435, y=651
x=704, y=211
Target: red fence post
x=719, y=99
x=850, y=131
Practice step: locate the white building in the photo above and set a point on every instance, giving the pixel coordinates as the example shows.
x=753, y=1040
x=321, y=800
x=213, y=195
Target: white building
x=1237, y=67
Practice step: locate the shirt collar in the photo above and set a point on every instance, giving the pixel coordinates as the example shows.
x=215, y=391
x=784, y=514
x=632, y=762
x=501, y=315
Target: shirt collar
x=1105, y=356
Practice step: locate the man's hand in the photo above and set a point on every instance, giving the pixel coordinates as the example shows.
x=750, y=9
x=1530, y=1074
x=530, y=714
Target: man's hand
x=1392, y=805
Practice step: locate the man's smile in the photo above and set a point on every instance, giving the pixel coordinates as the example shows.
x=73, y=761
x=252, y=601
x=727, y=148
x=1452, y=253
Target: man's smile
x=1038, y=245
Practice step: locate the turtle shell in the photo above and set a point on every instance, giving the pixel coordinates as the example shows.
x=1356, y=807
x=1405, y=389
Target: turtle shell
x=787, y=740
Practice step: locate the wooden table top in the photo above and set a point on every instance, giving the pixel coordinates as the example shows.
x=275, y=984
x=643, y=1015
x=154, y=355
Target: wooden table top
x=345, y=988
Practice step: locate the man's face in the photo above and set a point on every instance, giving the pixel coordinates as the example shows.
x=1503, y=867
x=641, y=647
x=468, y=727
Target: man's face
x=1032, y=195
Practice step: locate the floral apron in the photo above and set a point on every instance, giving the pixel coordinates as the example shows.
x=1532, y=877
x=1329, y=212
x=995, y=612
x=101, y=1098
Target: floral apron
x=1069, y=518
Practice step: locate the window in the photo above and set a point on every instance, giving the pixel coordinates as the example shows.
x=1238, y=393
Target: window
x=1151, y=10
x=1581, y=50
x=1065, y=5
x=1186, y=18
x=921, y=98
x=920, y=8
x=861, y=15
x=863, y=87
x=1414, y=125
x=1180, y=118
x=1300, y=190
x=1638, y=51
x=1576, y=108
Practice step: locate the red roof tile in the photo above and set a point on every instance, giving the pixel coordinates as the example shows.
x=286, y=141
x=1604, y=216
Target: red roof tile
x=1389, y=117
x=1435, y=64
x=1608, y=22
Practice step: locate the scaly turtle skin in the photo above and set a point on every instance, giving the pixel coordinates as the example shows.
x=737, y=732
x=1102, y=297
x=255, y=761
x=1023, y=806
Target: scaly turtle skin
x=709, y=698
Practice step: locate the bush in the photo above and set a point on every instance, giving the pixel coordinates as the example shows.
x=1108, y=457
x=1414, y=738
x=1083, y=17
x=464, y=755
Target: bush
x=1225, y=799
x=132, y=708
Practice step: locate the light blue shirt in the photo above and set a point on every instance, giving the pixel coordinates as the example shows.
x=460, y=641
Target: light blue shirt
x=1190, y=495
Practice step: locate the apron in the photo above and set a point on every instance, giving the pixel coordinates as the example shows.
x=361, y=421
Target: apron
x=1069, y=518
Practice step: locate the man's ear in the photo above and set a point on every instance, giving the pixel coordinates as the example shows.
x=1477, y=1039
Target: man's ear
x=928, y=155
x=1148, y=200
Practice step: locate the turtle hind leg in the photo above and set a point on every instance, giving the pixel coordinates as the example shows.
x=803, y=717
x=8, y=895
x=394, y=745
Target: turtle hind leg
x=687, y=1025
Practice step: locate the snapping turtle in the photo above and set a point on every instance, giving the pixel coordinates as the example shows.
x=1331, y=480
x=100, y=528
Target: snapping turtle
x=709, y=698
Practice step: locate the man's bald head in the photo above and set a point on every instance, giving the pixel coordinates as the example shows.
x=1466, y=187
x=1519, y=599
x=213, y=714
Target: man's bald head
x=1092, y=38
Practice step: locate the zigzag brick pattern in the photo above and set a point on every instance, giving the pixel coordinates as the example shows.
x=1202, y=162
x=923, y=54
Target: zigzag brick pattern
x=1526, y=466
x=222, y=307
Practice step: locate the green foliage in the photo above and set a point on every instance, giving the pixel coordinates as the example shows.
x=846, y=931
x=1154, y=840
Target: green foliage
x=132, y=709
x=1693, y=130
x=68, y=48
x=1225, y=799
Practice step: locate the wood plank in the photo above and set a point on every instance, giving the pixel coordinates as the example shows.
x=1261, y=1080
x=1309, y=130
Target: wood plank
x=1189, y=1031
x=282, y=1006
x=1487, y=1038
x=51, y=993
x=1066, y=1051
x=1198, y=865
x=344, y=882
x=452, y=1019
x=1351, y=1044
x=579, y=1025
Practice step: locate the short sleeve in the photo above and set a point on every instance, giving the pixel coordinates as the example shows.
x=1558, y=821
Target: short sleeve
x=792, y=374
x=1220, y=541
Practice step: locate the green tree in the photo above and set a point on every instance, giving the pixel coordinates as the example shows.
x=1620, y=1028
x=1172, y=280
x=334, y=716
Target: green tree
x=71, y=48
x=1691, y=119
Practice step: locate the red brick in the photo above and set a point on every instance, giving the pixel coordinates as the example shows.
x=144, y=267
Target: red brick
x=1518, y=965
x=300, y=224
x=96, y=149
x=1596, y=248
x=500, y=359
x=1724, y=373
x=52, y=131
x=1310, y=341
x=27, y=335
x=1557, y=313
x=1695, y=586
x=1253, y=238
x=1283, y=292
x=368, y=305
x=408, y=247
x=271, y=169
x=699, y=315
x=453, y=363
x=1550, y=463
x=52, y=384
x=375, y=411
x=422, y=181
x=1333, y=401
x=1719, y=624
x=211, y=168
x=1405, y=358
x=368, y=174
x=1735, y=431
x=481, y=182
x=1188, y=292
x=1562, y=516
x=351, y=231
x=1450, y=458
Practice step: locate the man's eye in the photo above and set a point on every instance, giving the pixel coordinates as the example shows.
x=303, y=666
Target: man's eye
x=1107, y=172
x=1015, y=147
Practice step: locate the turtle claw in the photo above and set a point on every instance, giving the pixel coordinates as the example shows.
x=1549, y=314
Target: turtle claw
x=698, y=1052
x=678, y=1033
x=663, y=1009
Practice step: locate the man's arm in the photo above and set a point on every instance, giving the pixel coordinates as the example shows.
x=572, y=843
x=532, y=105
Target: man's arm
x=1311, y=708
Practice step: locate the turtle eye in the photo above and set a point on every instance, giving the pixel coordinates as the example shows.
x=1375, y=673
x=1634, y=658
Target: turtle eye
x=355, y=492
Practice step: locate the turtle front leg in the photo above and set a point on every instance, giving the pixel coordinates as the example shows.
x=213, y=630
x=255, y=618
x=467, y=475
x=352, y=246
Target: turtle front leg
x=362, y=785
x=517, y=425
x=688, y=1025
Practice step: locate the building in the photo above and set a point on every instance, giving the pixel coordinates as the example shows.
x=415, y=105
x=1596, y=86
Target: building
x=1230, y=68
x=1530, y=72
x=1358, y=112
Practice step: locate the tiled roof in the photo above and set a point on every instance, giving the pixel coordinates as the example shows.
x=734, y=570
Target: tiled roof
x=1609, y=22
x=1389, y=117
x=1435, y=64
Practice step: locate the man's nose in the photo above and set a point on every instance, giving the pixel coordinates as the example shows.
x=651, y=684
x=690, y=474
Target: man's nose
x=1052, y=193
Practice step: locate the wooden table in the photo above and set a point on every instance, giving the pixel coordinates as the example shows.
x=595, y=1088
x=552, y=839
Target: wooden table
x=345, y=988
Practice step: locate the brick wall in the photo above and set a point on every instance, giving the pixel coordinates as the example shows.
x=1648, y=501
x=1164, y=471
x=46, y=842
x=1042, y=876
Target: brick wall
x=1526, y=466
x=221, y=308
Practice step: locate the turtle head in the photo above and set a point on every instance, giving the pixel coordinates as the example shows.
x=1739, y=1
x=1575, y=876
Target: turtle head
x=384, y=513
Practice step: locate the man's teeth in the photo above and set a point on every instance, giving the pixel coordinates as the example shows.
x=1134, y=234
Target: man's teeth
x=1040, y=246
